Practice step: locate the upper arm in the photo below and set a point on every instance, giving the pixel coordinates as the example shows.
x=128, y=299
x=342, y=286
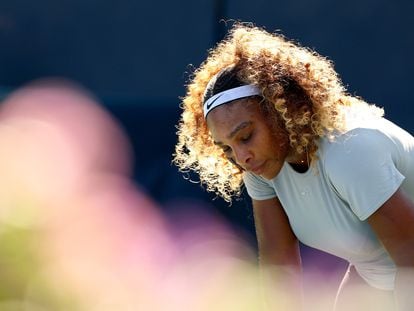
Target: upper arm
x=393, y=223
x=276, y=240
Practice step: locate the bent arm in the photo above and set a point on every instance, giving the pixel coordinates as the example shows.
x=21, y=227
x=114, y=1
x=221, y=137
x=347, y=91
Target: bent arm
x=393, y=223
x=279, y=256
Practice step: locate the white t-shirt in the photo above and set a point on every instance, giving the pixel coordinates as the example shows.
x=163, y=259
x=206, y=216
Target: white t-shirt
x=328, y=205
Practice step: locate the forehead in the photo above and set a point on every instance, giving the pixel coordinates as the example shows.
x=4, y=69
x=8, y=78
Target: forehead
x=223, y=119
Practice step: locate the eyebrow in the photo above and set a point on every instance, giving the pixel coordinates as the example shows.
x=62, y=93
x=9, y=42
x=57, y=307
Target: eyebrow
x=238, y=128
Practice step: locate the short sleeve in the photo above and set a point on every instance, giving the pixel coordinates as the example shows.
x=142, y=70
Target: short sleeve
x=361, y=169
x=257, y=187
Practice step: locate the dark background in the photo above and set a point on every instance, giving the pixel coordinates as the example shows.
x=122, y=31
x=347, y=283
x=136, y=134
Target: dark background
x=136, y=57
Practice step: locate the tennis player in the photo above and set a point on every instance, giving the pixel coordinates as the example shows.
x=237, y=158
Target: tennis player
x=322, y=167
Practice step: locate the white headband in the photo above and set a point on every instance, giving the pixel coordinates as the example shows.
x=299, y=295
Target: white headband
x=230, y=95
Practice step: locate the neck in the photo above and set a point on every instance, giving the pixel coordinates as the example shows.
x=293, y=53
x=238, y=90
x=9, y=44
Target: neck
x=299, y=159
x=300, y=168
x=299, y=162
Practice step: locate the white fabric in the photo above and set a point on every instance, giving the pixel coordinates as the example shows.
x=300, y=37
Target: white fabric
x=230, y=95
x=328, y=205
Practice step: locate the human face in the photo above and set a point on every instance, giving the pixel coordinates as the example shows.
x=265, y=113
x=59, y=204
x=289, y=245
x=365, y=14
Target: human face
x=247, y=138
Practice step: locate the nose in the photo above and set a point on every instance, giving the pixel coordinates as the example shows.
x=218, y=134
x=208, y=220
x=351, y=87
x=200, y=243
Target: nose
x=242, y=156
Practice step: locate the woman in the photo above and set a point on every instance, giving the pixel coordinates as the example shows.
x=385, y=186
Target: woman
x=322, y=167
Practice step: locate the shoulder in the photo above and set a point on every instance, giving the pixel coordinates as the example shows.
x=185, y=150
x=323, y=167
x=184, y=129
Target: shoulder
x=249, y=177
x=360, y=165
x=370, y=136
x=358, y=154
x=355, y=145
x=258, y=187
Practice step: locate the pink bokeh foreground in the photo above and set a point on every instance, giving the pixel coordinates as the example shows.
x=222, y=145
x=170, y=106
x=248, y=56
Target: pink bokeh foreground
x=97, y=241
x=76, y=233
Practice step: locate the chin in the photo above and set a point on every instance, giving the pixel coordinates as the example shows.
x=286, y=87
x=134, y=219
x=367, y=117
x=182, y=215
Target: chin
x=268, y=177
x=270, y=174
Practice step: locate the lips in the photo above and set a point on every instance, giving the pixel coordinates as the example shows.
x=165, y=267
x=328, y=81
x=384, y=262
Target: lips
x=258, y=169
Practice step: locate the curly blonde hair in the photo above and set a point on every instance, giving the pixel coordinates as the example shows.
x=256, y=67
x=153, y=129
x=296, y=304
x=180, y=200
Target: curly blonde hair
x=269, y=61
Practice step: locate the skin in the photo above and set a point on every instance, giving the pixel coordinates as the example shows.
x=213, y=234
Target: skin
x=248, y=139
x=393, y=223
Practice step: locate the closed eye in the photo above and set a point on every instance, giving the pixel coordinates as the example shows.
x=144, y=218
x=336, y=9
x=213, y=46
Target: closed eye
x=246, y=138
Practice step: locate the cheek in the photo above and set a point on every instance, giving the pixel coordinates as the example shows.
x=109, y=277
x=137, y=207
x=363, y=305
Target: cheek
x=277, y=138
x=280, y=145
